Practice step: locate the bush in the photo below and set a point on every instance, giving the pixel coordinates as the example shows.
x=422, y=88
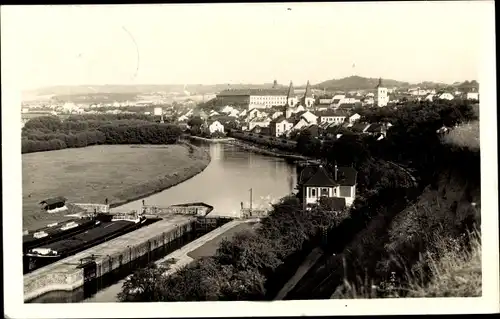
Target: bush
x=49, y=133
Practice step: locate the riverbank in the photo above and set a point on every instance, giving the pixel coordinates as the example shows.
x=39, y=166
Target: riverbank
x=120, y=173
x=211, y=140
x=250, y=147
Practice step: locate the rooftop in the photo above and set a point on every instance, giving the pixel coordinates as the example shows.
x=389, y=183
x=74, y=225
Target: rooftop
x=54, y=200
x=259, y=92
x=319, y=176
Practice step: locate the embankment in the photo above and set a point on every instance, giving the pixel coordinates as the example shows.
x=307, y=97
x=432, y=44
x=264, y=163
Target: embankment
x=259, y=149
x=120, y=173
x=210, y=140
x=398, y=246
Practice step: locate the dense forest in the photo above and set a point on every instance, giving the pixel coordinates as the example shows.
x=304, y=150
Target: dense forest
x=49, y=133
x=255, y=265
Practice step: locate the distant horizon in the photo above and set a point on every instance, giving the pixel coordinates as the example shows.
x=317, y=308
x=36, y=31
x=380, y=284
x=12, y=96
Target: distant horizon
x=240, y=83
x=243, y=43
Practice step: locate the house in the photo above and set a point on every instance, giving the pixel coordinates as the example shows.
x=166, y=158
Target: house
x=261, y=130
x=446, y=96
x=429, y=97
x=301, y=123
x=337, y=99
x=54, y=205
x=227, y=109
x=472, y=96
x=354, y=118
x=276, y=115
x=213, y=113
x=253, y=113
x=280, y=126
x=313, y=129
x=332, y=117
x=377, y=129
x=308, y=115
x=262, y=122
x=215, y=126
x=234, y=113
x=317, y=183
x=359, y=127
x=243, y=113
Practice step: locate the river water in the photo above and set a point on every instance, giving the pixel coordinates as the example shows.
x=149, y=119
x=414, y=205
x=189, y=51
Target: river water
x=224, y=184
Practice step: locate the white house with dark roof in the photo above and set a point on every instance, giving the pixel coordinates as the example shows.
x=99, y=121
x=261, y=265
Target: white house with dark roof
x=354, y=118
x=215, y=126
x=317, y=182
x=446, y=96
x=472, y=96
x=331, y=117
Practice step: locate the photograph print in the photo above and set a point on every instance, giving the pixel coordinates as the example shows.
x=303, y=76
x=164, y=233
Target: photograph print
x=277, y=152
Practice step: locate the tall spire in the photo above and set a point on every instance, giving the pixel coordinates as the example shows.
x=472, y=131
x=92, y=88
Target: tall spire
x=379, y=83
x=308, y=92
x=275, y=84
x=291, y=91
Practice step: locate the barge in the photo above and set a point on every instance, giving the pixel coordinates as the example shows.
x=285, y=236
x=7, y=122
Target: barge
x=57, y=231
x=104, y=231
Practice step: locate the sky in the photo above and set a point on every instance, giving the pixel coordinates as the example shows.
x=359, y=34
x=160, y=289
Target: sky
x=243, y=43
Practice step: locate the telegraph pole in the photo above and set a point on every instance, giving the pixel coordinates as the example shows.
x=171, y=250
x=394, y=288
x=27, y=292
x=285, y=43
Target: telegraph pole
x=251, y=195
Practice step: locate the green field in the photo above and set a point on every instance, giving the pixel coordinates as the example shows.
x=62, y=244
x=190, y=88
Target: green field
x=210, y=247
x=120, y=173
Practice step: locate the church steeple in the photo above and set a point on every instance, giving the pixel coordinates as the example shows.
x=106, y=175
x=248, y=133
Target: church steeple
x=308, y=92
x=379, y=83
x=291, y=91
x=275, y=84
x=307, y=100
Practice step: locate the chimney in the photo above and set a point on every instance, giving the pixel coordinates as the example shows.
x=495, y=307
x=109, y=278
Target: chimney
x=336, y=169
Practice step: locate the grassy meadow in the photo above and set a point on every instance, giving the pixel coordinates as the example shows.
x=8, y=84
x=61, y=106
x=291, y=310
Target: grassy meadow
x=121, y=173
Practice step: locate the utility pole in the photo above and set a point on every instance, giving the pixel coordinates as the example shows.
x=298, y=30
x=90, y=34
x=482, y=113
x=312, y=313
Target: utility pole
x=251, y=195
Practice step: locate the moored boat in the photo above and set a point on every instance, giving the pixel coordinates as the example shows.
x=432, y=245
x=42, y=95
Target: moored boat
x=119, y=225
x=57, y=231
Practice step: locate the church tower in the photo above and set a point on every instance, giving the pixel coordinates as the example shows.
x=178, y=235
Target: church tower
x=381, y=97
x=291, y=101
x=308, y=99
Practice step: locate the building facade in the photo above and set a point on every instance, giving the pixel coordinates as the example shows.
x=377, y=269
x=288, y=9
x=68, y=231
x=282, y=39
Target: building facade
x=317, y=183
x=382, y=97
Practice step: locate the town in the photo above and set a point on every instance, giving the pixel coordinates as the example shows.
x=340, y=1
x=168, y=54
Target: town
x=247, y=152
x=273, y=111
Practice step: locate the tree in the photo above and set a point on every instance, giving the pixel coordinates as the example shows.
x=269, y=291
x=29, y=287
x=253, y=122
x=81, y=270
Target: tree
x=195, y=121
x=307, y=144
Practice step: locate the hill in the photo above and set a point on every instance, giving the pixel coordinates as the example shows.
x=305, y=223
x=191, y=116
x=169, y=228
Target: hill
x=357, y=83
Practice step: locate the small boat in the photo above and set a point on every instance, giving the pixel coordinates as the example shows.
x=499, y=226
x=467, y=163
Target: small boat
x=119, y=225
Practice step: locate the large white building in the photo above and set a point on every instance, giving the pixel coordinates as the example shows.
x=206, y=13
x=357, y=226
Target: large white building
x=265, y=98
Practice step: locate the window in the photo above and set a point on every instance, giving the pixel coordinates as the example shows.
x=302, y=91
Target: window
x=324, y=192
x=313, y=192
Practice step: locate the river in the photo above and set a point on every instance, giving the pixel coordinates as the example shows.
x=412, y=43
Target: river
x=224, y=184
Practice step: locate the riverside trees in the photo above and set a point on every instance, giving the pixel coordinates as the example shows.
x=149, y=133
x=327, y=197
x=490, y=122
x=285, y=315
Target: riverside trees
x=50, y=133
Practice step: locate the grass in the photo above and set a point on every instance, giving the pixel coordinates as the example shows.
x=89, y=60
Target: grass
x=456, y=274
x=121, y=173
x=465, y=135
x=447, y=267
x=210, y=247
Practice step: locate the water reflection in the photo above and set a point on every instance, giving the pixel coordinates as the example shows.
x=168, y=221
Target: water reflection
x=225, y=183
